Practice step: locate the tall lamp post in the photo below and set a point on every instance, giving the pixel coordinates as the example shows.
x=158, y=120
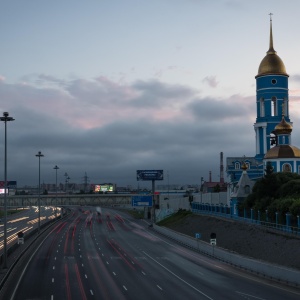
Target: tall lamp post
x=56, y=168
x=39, y=155
x=5, y=119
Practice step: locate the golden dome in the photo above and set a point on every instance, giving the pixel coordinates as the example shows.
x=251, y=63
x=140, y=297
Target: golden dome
x=271, y=63
x=244, y=166
x=283, y=151
x=283, y=127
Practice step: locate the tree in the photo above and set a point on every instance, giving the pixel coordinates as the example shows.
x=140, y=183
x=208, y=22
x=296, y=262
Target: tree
x=269, y=169
x=274, y=192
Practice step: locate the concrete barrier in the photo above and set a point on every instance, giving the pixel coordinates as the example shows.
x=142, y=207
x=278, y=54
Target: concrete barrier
x=275, y=272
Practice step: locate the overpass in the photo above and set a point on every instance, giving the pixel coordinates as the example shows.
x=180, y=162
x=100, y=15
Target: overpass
x=71, y=199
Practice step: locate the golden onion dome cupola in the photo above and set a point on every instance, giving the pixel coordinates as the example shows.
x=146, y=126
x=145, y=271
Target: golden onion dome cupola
x=271, y=63
x=283, y=127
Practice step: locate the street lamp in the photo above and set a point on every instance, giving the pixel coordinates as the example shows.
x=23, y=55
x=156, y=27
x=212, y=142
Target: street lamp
x=5, y=119
x=201, y=188
x=56, y=168
x=39, y=155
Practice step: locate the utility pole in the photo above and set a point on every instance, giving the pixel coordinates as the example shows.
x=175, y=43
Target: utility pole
x=85, y=182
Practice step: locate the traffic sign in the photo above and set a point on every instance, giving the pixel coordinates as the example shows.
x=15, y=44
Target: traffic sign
x=213, y=242
x=141, y=200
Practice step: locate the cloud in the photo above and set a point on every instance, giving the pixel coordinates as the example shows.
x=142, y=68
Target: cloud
x=211, y=81
x=110, y=130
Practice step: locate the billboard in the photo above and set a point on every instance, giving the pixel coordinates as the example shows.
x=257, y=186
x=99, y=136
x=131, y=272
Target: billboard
x=149, y=175
x=2, y=191
x=10, y=184
x=103, y=188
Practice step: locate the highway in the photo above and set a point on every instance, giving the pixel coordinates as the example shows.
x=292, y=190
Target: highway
x=114, y=256
x=26, y=220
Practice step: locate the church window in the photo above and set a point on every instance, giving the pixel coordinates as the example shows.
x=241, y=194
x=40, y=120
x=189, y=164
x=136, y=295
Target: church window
x=247, y=189
x=284, y=108
x=237, y=165
x=274, y=106
x=262, y=107
x=286, y=168
x=274, y=81
x=248, y=165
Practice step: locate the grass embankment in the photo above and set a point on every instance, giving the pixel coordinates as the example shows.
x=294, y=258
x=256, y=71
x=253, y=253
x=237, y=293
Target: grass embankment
x=137, y=214
x=180, y=215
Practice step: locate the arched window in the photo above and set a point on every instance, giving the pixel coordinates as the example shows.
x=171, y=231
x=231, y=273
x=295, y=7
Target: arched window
x=286, y=168
x=285, y=107
x=274, y=107
x=247, y=189
x=248, y=165
x=262, y=107
x=237, y=165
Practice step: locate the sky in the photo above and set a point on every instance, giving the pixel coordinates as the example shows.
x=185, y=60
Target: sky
x=106, y=88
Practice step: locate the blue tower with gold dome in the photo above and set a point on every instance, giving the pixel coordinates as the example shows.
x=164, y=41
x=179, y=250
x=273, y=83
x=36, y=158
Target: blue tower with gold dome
x=272, y=107
x=272, y=99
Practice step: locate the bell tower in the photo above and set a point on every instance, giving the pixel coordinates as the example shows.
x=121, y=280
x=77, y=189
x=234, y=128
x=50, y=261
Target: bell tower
x=271, y=98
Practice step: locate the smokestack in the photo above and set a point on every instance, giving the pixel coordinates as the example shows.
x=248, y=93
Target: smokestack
x=209, y=176
x=221, y=168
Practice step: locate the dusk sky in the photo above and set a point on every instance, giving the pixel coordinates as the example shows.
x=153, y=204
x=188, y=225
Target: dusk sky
x=108, y=87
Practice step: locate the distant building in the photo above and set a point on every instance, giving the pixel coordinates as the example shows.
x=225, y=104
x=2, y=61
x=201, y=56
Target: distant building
x=213, y=186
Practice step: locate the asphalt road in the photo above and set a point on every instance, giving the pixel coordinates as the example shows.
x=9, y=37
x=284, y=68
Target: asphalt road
x=27, y=220
x=113, y=256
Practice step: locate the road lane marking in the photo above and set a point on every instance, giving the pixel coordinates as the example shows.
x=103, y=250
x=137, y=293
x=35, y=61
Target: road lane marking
x=178, y=276
x=124, y=287
x=251, y=296
x=159, y=287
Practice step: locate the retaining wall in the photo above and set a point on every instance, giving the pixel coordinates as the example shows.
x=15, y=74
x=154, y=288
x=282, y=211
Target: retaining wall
x=279, y=273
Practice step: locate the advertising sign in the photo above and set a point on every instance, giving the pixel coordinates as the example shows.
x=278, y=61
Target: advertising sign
x=149, y=175
x=10, y=184
x=103, y=188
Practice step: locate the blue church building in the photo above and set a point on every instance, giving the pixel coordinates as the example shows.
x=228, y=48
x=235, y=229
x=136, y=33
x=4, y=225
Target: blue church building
x=272, y=127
